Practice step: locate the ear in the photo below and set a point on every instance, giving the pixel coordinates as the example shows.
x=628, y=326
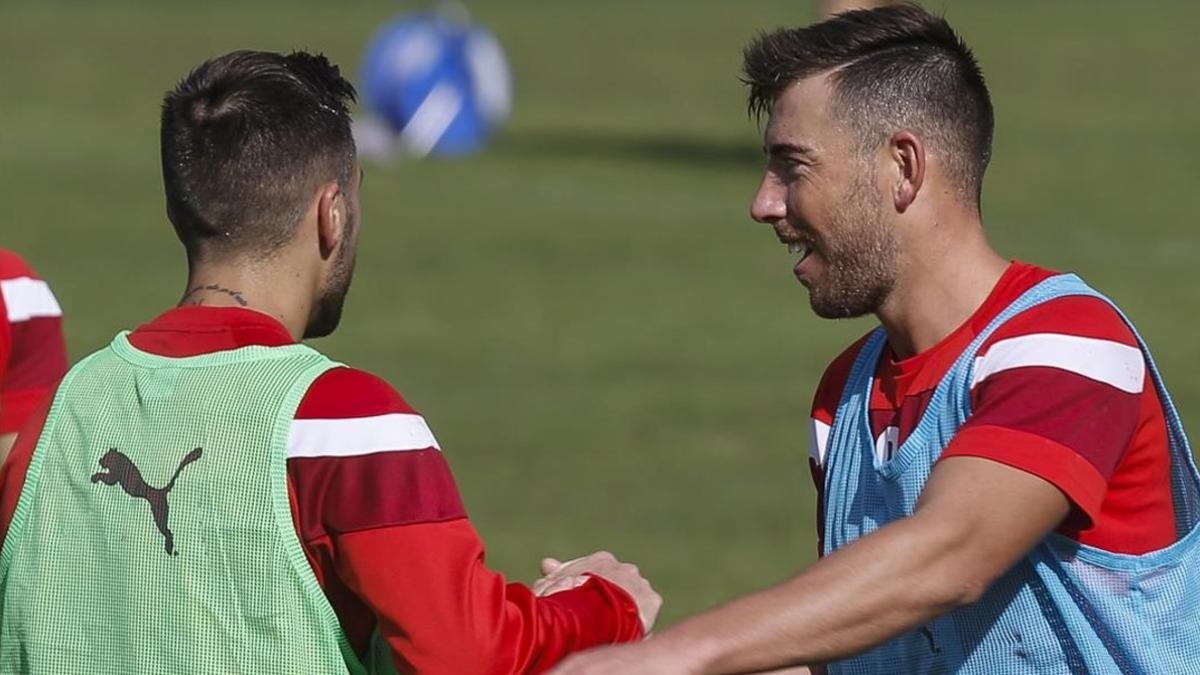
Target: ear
x=331, y=218
x=908, y=157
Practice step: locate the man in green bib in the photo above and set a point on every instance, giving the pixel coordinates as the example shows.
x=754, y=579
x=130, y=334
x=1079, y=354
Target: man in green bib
x=208, y=495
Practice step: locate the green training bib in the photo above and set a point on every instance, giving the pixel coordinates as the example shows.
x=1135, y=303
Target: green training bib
x=153, y=533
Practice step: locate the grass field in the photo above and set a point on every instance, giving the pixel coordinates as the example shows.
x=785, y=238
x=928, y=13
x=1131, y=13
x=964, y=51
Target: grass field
x=611, y=353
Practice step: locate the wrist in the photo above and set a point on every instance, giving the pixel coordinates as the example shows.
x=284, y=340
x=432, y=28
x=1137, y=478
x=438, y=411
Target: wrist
x=691, y=655
x=629, y=625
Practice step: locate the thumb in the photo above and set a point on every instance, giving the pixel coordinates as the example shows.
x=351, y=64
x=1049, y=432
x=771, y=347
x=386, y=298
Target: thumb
x=549, y=565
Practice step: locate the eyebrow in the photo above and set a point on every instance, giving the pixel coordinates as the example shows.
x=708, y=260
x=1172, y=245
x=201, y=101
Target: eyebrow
x=777, y=149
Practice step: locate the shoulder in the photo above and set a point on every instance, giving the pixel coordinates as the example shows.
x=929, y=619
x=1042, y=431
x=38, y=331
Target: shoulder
x=350, y=412
x=349, y=392
x=13, y=265
x=1078, y=334
x=1073, y=315
x=24, y=295
x=360, y=457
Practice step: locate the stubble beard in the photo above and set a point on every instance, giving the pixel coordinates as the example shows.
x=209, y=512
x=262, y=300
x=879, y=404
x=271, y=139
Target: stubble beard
x=327, y=313
x=860, y=256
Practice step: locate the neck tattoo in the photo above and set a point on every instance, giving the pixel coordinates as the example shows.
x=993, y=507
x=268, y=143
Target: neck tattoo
x=213, y=288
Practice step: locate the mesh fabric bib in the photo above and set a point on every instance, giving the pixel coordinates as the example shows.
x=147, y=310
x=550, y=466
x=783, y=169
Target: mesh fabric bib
x=1067, y=608
x=153, y=533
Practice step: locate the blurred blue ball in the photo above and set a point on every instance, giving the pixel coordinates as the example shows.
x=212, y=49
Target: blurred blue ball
x=442, y=84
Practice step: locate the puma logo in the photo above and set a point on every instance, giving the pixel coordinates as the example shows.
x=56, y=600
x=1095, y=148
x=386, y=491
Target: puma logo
x=120, y=470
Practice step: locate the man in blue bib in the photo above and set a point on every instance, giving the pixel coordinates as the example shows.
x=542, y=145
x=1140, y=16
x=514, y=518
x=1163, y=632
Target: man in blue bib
x=1005, y=485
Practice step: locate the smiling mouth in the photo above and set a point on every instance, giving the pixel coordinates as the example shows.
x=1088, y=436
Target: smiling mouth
x=800, y=247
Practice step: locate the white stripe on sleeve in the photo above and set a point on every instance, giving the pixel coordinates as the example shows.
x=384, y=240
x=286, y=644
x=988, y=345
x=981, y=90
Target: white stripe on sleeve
x=818, y=441
x=28, y=298
x=1104, y=361
x=353, y=436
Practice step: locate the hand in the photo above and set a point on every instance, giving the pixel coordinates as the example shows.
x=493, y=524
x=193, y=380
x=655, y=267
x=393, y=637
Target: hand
x=561, y=576
x=550, y=585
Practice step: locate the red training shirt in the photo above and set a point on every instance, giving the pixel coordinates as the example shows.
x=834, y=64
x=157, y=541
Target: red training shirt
x=382, y=523
x=1061, y=391
x=33, y=352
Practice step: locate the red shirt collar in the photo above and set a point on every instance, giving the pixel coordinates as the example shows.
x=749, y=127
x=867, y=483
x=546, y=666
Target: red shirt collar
x=191, y=331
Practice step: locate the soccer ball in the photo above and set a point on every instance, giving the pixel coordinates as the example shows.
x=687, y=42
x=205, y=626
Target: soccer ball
x=439, y=83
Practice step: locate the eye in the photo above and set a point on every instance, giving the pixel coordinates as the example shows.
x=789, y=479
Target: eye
x=792, y=167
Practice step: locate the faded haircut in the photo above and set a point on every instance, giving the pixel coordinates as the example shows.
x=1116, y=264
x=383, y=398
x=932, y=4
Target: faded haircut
x=246, y=139
x=892, y=68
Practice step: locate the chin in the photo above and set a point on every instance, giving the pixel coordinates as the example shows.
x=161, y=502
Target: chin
x=827, y=308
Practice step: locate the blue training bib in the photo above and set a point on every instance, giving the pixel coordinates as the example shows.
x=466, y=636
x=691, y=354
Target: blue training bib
x=1066, y=608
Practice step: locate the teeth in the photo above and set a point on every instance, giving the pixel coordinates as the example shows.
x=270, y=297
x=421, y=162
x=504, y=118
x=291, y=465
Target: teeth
x=795, y=247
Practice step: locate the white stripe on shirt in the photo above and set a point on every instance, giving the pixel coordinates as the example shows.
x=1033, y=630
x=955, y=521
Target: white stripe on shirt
x=27, y=298
x=352, y=436
x=1112, y=363
x=818, y=441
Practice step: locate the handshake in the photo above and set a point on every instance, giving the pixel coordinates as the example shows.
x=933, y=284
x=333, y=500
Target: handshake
x=561, y=576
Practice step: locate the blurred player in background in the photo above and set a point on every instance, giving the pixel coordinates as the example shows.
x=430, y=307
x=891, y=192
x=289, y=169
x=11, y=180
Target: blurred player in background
x=1005, y=486
x=208, y=495
x=33, y=353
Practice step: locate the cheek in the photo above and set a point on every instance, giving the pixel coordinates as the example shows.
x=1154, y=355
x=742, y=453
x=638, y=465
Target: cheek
x=807, y=204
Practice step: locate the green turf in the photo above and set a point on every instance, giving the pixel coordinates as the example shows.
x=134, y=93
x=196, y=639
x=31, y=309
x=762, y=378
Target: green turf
x=611, y=352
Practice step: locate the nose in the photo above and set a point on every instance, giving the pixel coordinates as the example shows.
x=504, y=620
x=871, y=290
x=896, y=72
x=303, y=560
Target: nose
x=769, y=202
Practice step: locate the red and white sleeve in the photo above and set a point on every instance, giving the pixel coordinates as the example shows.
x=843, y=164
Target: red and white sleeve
x=1057, y=392
x=33, y=354
x=385, y=528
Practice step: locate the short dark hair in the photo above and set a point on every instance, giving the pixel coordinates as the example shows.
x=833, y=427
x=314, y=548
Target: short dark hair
x=246, y=139
x=893, y=67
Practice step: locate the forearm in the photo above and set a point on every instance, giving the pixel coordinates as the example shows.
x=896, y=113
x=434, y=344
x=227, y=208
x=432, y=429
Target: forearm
x=444, y=611
x=889, y=582
x=594, y=614
x=974, y=520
